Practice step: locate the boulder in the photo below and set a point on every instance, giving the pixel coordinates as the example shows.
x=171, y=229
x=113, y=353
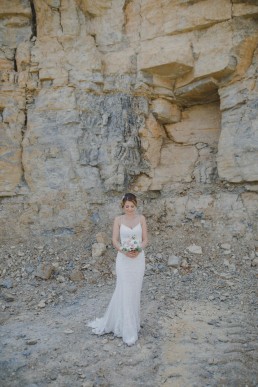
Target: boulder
x=103, y=238
x=98, y=249
x=165, y=112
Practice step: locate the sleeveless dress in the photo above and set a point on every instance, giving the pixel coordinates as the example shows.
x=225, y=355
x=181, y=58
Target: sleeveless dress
x=122, y=316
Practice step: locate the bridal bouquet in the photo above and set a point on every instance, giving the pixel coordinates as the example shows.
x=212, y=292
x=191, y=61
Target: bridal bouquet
x=131, y=244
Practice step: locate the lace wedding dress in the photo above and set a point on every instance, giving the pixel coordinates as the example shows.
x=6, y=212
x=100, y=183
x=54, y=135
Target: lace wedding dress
x=122, y=316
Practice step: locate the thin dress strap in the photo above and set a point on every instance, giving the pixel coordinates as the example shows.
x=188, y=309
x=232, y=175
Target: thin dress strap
x=121, y=221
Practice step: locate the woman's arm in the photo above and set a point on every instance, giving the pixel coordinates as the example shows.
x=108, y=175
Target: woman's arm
x=116, y=236
x=144, y=232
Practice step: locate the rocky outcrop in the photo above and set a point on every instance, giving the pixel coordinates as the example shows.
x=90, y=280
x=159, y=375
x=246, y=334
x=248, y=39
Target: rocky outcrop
x=237, y=148
x=99, y=97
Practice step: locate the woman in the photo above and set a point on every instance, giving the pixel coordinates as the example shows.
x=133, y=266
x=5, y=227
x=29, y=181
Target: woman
x=123, y=313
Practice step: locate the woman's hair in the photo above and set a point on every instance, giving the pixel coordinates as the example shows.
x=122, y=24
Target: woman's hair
x=129, y=197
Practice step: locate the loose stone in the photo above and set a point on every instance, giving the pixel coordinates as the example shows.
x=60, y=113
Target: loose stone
x=194, y=249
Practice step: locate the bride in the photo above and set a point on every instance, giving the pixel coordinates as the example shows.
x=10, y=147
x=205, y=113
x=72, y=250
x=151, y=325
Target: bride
x=122, y=316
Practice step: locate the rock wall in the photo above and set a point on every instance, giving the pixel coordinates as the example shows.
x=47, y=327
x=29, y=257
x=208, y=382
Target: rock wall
x=99, y=97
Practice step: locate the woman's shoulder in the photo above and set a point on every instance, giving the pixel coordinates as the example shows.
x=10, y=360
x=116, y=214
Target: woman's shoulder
x=118, y=219
x=142, y=218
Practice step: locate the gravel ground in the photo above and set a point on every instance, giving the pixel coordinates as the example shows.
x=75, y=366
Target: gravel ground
x=199, y=315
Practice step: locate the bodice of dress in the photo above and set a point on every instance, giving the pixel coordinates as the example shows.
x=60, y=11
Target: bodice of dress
x=127, y=232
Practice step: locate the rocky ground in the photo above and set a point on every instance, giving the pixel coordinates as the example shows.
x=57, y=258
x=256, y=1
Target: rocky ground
x=199, y=314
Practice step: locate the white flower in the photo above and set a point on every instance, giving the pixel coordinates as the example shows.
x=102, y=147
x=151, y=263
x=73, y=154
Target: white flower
x=131, y=244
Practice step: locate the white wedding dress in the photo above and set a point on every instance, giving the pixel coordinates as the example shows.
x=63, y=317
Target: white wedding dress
x=122, y=316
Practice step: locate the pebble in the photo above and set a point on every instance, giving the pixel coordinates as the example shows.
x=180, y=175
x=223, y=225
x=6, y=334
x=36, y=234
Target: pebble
x=53, y=375
x=194, y=249
x=225, y=275
x=225, y=246
x=29, y=269
x=212, y=362
x=68, y=331
x=42, y=304
x=87, y=384
x=31, y=342
x=44, y=271
x=214, y=322
x=76, y=276
x=8, y=297
x=184, y=264
x=72, y=288
x=6, y=283
x=174, y=261
x=194, y=336
x=26, y=353
x=60, y=278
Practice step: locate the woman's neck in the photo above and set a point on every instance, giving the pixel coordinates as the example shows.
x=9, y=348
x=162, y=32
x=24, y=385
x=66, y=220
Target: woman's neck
x=130, y=216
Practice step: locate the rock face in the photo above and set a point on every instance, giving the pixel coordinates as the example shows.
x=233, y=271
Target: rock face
x=101, y=97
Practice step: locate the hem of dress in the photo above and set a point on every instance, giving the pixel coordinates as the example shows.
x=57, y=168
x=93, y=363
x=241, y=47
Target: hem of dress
x=101, y=332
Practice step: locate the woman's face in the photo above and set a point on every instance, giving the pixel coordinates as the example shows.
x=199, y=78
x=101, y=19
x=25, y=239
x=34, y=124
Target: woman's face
x=129, y=208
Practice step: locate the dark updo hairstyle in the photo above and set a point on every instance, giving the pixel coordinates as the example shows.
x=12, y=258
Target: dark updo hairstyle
x=129, y=197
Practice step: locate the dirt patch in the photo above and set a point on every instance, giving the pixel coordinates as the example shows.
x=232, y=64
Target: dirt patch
x=199, y=317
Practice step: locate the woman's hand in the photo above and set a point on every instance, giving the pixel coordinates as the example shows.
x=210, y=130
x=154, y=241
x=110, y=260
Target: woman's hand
x=132, y=254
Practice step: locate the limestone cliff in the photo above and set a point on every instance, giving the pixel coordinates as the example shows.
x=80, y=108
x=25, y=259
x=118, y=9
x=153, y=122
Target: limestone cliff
x=99, y=97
